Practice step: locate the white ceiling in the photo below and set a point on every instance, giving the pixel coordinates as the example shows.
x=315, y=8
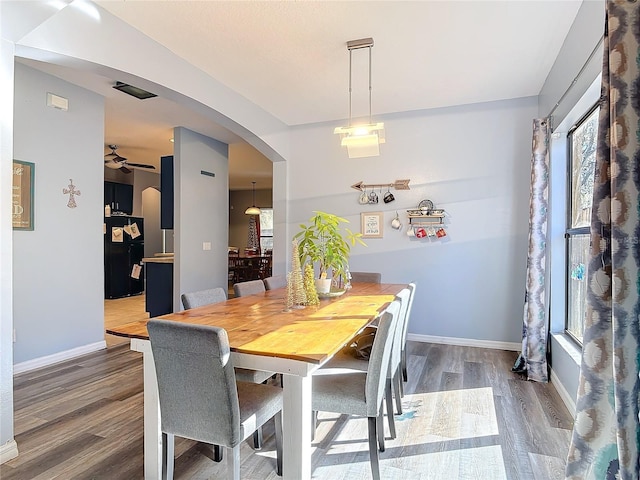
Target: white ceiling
x=290, y=58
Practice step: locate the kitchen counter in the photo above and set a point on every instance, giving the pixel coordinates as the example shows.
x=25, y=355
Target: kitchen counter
x=167, y=259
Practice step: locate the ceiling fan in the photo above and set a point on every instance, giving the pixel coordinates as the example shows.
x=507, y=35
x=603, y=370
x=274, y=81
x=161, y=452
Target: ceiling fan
x=115, y=161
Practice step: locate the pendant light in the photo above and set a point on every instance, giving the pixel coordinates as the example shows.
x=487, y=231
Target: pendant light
x=253, y=210
x=361, y=140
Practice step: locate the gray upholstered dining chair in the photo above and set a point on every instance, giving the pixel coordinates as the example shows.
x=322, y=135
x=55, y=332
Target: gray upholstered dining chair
x=345, y=362
x=199, y=396
x=276, y=281
x=215, y=295
x=203, y=297
x=361, y=393
x=366, y=277
x=252, y=287
x=405, y=330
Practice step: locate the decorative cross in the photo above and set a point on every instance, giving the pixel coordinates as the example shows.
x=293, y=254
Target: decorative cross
x=71, y=191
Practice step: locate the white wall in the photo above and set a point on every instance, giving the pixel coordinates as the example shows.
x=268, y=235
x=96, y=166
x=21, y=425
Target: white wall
x=201, y=213
x=473, y=161
x=58, y=279
x=8, y=448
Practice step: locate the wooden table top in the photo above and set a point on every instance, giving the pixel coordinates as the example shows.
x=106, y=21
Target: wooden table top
x=260, y=325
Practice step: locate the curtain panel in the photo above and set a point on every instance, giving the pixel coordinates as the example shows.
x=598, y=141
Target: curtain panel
x=533, y=358
x=606, y=431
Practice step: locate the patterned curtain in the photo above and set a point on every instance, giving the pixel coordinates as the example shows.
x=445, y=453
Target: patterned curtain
x=253, y=236
x=606, y=432
x=533, y=358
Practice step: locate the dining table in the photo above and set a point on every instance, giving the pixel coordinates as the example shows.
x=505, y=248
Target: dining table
x=266, y=335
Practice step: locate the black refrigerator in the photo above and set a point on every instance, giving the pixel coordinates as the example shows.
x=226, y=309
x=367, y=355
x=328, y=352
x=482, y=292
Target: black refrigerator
x=123, y=253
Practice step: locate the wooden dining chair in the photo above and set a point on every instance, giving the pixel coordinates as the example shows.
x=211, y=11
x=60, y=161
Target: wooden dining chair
x=361, y=393
x=252, y=287
x=366, y=277
x=199, y=396
x=276, y=281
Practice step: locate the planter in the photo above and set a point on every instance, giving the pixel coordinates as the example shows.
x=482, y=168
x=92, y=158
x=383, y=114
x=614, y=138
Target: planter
x=323, y=285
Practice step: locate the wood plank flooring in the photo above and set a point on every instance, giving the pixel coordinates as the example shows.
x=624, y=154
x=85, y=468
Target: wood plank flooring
x=466, y=416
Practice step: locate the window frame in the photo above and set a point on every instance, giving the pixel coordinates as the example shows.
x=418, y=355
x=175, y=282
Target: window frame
x=570, y=231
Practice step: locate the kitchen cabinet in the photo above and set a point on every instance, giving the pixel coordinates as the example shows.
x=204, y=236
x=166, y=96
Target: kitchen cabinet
x=119, y=196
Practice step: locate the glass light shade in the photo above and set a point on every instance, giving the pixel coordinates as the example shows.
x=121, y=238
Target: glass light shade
x=362, y=140
x=252, y=211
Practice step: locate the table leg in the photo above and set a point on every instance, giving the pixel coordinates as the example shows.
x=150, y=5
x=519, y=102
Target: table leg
x=296, y=434
x=152, y=433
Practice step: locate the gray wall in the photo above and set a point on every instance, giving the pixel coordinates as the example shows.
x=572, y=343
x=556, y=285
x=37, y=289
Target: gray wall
x=58, y=281
x=239, y=200
x=473, y=161
x=201, y=213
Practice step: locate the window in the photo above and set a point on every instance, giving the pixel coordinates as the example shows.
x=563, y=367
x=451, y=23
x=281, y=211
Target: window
x=580, y=177
x=266, y=229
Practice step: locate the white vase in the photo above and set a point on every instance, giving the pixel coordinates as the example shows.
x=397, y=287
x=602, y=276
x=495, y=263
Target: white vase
x=323, y=285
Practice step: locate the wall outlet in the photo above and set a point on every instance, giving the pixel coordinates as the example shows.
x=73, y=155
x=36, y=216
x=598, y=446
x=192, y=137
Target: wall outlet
x=206, y=245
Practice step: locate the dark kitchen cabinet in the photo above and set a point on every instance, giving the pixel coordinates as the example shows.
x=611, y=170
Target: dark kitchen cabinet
x=119, y=196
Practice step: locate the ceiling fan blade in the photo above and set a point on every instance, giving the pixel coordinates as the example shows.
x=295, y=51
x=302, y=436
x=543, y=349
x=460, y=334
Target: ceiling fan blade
x=124, y=169
x=141, y=165
x=113, y=164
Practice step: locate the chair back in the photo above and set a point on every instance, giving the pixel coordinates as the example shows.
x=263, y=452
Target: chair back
x=366, y=277
x=203, y=297
x=277, y=281
x=405, y=324
x=196, y=382
x=252, y=287
x=396, y=350
x=379, y=359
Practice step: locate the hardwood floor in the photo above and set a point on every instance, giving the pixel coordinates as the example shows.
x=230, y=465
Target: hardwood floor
x=465, y=416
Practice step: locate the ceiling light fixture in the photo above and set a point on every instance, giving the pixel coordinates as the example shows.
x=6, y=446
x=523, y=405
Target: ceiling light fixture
x=361, y=140
x=253, y=210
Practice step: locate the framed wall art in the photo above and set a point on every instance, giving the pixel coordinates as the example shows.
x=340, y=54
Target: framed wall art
x=22, y=195
x=371, y=224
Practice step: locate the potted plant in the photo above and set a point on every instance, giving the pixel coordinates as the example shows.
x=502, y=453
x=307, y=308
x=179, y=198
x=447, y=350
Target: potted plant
x=322, y=242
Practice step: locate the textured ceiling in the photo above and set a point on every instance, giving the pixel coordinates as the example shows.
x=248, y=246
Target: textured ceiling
x=290, y=58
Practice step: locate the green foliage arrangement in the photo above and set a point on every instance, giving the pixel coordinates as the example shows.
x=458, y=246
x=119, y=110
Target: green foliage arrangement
x=322, y=242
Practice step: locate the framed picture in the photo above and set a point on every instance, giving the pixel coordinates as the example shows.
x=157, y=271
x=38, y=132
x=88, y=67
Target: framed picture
x=371, y=224
x=22, y=197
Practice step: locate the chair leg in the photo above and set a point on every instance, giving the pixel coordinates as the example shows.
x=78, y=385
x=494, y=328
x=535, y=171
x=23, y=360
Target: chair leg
x=389, y=399
x=257, y=439
x=397, y=382
x=233, y=463
x=168, y=442
x=217, y=453
x=373, y=450
x=314, y=424
x=380, y=420
x=278, y=421
x=404, y=365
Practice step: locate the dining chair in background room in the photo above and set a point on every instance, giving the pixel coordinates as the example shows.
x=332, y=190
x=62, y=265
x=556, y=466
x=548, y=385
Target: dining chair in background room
x=199, y=396
x=215, y=295
x=276, y=281
x=361, y=393
x=366, y=277
x=252, y=287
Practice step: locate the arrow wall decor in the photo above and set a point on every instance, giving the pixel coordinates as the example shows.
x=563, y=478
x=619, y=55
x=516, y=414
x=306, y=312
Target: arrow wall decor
x=398, y=185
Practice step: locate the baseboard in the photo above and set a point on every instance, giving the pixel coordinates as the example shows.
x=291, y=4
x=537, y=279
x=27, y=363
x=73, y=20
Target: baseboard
x=58, y=357
x=564, y=395
x=8, y=451
x=465, y=342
